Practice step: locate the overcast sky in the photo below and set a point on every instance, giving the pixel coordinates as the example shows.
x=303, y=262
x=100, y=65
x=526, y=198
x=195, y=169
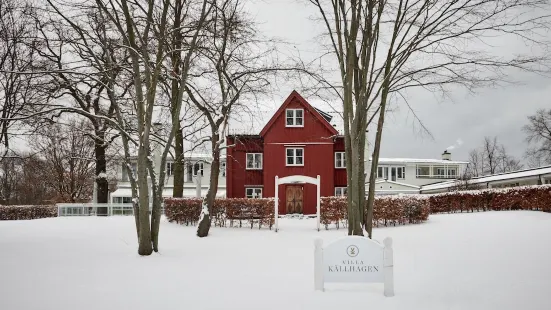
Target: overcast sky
x=491, y=112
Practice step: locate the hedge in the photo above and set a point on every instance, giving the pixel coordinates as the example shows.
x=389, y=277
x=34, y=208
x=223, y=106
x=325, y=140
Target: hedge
x=536, y=197
x=225, y=212
x=27, y=212
x=387, y=210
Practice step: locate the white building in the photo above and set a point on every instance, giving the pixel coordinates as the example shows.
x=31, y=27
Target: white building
x=408, y=175
x=534, y=176
x=196, y=175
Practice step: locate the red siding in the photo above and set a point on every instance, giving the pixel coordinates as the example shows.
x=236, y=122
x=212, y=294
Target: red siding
x=238, y=177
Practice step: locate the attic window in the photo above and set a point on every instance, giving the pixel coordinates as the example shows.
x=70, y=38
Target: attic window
x=294, y=118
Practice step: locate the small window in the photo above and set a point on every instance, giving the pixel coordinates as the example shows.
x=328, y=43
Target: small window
x=223, y=169
x=254, y=161
x=253, y=192
x=198, y=169
x=340, y=191
x=169, y=169
x=548, y=181
x=189, y=172
x=294, y=118
x=122, y=199
x=295, y=156
x=452, y=172
x=401, y=173
x=340, y=160
x=382, y=172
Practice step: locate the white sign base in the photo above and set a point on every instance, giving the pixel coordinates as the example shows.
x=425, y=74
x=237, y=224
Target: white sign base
x=354, y=259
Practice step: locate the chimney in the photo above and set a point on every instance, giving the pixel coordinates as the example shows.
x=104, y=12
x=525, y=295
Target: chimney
x=446, y=155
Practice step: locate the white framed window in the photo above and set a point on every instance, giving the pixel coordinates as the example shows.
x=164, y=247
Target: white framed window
x=294, y=118
x=294, y=156
x=382, y=172
x=340, y=191
x=169, y=169
x=198, y=169
x=340, y=160
x=547, y=181
x=452, y=172
x=254, y=161
x=441, y=172
x=253, y=192
x=122, y=199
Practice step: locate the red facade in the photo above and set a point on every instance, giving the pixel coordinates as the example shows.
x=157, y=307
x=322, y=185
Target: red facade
x=312, y=146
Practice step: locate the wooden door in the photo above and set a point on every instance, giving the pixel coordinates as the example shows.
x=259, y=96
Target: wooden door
x=293, y=194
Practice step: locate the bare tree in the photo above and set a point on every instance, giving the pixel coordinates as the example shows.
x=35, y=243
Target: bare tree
x=234, y=68
x=68, y=156
x=19, y=66
x=145, y=29
x=538, y=134
x=491, y=158
x=72, y=49
x=385, y=47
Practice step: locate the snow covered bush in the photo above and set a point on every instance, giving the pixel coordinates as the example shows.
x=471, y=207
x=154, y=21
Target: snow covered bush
x=387, y=210
x=225, y=212
x=26, y=212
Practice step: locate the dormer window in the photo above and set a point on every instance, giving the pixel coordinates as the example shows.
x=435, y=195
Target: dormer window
x=294, y=118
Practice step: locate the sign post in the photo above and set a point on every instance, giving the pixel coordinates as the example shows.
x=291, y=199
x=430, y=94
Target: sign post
x=354, y=259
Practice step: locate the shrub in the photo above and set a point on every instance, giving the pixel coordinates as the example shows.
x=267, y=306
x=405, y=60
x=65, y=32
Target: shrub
x=387, y=210
x=26, y=212
x=225, y=211
x=514, y=198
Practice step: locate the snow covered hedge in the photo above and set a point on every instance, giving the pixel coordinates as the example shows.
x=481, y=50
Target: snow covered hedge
x=537, y=197
x=387, y=210
x=226, y=211
x=26, y=212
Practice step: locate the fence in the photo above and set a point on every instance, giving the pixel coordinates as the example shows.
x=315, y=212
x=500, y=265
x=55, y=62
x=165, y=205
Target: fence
x=91, y=209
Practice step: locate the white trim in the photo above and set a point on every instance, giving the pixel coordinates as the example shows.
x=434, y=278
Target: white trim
x=294, y=164
x=254, y=157
x=294, y=118
x=297, y=179
x=254, y=185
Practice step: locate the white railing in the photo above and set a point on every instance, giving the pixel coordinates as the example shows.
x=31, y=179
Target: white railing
x=91, y=209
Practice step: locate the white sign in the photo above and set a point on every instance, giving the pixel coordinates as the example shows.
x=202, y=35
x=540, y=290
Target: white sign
x=354, y=259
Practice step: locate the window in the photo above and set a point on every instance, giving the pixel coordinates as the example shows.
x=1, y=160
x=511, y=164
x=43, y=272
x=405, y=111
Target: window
x=452, y=172
x=169, y=169
x=382, y=172
x=423, y=171
x=295, y=156
x=340, y=191
x=189, y=172
x=340, y=160
x=294, y=118
x=122, y=199
x=253, y=192
x=392, y=172
x=254, y=161
x=223, y=169
x=548, y=181
x=198, y=169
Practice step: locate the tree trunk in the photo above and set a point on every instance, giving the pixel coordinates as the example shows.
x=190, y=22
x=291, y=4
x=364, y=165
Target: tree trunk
x=178, y=189
x=145, y=246
x=204, y=227
x=102, y=186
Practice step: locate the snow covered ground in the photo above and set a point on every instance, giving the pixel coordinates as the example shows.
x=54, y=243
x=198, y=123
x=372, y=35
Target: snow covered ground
x=492, y=260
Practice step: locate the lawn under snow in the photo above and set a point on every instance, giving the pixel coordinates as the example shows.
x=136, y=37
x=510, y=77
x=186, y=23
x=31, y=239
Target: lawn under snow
x=491, y=260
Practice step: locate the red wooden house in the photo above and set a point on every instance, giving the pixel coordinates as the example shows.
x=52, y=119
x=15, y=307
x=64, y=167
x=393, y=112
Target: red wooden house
x=298, y=140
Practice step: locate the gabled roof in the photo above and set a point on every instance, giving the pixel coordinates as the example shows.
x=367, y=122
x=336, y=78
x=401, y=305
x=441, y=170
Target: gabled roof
x=306, y=105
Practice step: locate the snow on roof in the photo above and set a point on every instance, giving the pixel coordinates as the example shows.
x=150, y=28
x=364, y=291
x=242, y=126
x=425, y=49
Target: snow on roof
x=383, y=160
x=526, y=173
